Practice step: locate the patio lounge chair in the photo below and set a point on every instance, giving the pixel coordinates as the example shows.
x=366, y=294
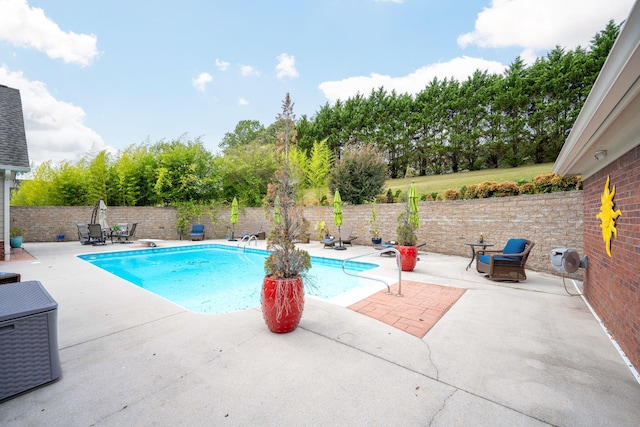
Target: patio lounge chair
x=394, y=244
x=346, y=236
x=96, y=235
x=255, y=230
x=7, y=277
x=124, y=234
x=329, y=242
x=83, y=234
x=505, y=264
x=197, y=232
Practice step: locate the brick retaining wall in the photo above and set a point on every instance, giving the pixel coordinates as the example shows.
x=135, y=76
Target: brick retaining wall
x=550, y=220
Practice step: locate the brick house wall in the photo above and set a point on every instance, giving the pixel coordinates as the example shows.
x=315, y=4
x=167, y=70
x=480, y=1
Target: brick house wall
x=550, y=220
x=612, y=284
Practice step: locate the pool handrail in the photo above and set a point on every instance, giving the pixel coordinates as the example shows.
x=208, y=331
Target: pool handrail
x=247, y=239
x=385, y=250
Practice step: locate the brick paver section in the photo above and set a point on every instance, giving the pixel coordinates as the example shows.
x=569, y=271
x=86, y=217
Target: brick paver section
x=416, y=312
x=20, y=254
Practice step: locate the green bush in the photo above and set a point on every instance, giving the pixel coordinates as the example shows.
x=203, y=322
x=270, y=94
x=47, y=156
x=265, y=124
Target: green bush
x=528, y=188
x=546, y=183
x=389, y=196
x=485, y=189
x=452, y=194
x=492, y=189
x=381, y=198
x=506, y=189
x=551, y=182
x=471, y=192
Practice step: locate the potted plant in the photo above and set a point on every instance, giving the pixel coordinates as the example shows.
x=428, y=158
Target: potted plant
x=321, y=228
x=15, y=237
x=305, y=237
x=282, y=297
x=375, y=238
x=407, y=224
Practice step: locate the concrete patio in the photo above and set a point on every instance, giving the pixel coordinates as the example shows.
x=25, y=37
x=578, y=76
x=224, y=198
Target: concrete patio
x=505, y=354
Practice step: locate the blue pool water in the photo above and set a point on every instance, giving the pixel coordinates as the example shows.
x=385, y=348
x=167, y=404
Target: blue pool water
x=217, y=278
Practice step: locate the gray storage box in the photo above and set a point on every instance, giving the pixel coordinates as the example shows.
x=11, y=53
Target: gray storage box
x=28, y=338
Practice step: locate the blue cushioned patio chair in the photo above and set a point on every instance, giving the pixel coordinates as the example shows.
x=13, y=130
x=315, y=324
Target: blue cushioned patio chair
x=197, y=232
x=505, y=264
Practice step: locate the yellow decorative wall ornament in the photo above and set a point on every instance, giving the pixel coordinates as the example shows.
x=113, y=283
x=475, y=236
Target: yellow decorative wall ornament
x=607, y=216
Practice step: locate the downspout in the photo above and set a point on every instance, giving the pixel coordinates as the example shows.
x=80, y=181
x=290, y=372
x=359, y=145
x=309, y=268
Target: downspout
x=6, y=213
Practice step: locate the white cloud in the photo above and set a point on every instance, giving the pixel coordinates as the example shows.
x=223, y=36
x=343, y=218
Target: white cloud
x=248, y=70
x=54, y=129
x=201, y=81
x=222, y=65
x=242, y=102
x=457, y=68
x=286, y=66
x=29, y=27
x=540, y=25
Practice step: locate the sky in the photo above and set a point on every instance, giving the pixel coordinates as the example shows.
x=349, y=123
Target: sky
x=96, y=75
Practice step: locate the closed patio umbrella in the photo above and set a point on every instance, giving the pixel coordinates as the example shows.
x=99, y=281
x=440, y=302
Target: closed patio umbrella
x=102, y=215
x=234, y=218
x=337, y=217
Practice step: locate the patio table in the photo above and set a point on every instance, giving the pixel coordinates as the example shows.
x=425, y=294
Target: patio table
x=473, y=245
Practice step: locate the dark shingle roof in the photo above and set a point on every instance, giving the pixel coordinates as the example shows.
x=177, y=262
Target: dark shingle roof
x=13, y=142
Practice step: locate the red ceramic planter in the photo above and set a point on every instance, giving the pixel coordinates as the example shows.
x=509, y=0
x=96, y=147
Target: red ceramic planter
x=409, y=256
x=282, y=303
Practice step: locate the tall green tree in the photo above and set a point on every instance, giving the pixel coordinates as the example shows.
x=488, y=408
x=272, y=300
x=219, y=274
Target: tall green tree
x=186, y=172
x=359, y=175
x=38, y=190
x=69, y=186
x=246, y=172
x=245, y=132
x=97, y=175
x=513, y=102
x=319, y=164
x=133, y=177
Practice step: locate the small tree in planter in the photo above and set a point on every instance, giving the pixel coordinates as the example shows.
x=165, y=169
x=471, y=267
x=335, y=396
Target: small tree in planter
x=282, y=296
x=375, y=231
x=15, y=237
x=321, y=228
x=407, y=241
x=408, y=223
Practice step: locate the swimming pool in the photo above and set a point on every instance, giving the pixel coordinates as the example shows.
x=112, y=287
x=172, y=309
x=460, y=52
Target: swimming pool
x=215, y=278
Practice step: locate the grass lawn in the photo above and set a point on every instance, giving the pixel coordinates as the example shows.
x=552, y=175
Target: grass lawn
x=440, y=183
